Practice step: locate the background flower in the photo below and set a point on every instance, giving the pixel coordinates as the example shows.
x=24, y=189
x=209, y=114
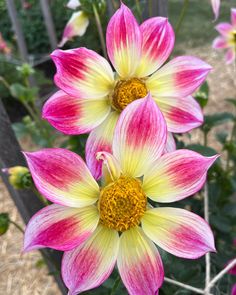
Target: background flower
x=227, y=39
x=137, y=54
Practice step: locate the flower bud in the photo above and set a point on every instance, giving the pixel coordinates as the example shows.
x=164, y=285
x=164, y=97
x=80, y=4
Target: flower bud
x=19, y=177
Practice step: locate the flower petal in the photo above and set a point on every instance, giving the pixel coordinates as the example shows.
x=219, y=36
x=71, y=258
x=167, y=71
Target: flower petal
x=179, y=232
x=219, y=43
x=158, y=43
x=176, y=175
x=179, y=77
x=139, y=137
x=124, y=41
x=75, y=116
x=181, y=114
x=224, y=28
x=100, y=140
x=110, y=167
x=230, y=56
x=89, y=265
x=62, y=177
x=139, y=263
x=170, y=143
x=79, y=70
x=216, y=8
x=233, y=16
x=60, y=227
x=76, y=26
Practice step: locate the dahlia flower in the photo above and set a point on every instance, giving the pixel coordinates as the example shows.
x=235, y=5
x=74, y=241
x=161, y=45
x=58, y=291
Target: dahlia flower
x=92, y=96
x=227, y=38
x=99, y=226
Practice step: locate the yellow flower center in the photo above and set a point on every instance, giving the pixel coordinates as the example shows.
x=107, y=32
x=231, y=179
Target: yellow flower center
x=127, y=91
x=122, y=204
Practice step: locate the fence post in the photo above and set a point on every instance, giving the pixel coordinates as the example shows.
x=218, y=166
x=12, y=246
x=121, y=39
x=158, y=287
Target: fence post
x=26, y=201
x=17, y=29
x=49, y=23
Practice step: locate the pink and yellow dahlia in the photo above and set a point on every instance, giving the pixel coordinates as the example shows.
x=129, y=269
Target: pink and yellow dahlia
x=227, y=39
x=92, y=96
x=99, y=226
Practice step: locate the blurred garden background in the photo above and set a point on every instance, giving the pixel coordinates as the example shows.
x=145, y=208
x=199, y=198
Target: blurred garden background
x=33, y=78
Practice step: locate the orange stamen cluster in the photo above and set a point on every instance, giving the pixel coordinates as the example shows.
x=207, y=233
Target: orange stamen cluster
x=122, y=204
x=126, y=91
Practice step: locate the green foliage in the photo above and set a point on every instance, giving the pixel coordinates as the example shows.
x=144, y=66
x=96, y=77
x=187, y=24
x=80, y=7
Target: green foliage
x=4, y=223
x=202, y=95
x=22, y=93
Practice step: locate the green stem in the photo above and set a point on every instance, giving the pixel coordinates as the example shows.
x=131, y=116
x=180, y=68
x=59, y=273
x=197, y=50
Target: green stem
x=5, y=83
x=150, y=8
x=139, y=11
x=181, y=16
x=40, y=197
x=205, y=138
x=17, y=226
x=231, y=140
x=116, y=285
x=100, y=32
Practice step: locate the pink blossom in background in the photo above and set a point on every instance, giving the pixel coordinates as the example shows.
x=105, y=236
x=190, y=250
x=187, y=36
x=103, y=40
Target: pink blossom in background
x=98, y=227
x=216, y=8
x=92, y=96
x=73, y=4
x=227, y=38
x=76, y=26
x=4, y=48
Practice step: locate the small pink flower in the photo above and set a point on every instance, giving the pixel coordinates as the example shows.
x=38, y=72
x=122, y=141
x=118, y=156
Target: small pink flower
x=73, y=4
x=216, y=8
x=4, y=48
x=227, y=38
x=99, y=226
x=92, y=96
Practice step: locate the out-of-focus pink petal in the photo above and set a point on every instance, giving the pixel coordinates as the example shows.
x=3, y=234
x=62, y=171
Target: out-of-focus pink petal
x=224, y=28
x=62, y=177
x=75, y=116
x=233, y=291
x=219, y=43
x=139, y=263
x=216, y=8
x=76, y=26
x=181, y=114
x=110, y=167
x=176, y=175
x=60, y=227
x=100, y=140
x=179, y=77
x=73, y=4
x=139, y=137
x=179, y=232
x=82, y=73
x=170, y=143
x=89, y=265
x=230, y=56
x=233, y=16
x=158, y=42
x=124, y=41
x=232, y=271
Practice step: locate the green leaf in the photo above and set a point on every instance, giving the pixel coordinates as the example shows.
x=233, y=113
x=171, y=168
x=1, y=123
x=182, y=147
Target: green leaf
x=23, y=93
x=202, y=95
x=222, y=137
x=221, y=223
x=4, y=223
x=211, y=121
x=232, y=101
x=201, y=149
